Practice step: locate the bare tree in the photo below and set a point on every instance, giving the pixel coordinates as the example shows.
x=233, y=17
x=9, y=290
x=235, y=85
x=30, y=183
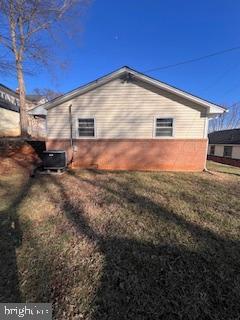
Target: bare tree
x=6, y=66
x=24, y=29
x=227, y=120
x=49, y=94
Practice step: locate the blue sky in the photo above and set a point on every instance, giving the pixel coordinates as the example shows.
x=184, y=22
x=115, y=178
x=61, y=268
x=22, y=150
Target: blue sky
x=145, y=34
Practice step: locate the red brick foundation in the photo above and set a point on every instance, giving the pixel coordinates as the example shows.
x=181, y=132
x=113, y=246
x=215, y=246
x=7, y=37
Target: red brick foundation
x=229, y=161
x=136, y=154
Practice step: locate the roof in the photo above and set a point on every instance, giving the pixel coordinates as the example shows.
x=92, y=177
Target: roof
x=10, y=90
x=231, y=136
x=29, y=97
x=212, y=108
x=34, y=97
x=8, y=105
x=38, y=111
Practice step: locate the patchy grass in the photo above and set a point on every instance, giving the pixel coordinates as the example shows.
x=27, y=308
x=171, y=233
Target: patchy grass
x=122, y=245
x=222, y=168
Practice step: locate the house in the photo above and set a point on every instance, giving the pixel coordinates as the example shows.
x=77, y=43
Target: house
x=10, y=116
x=9, y=112
x=129, y=121
x=36, y=99
x=224, y=146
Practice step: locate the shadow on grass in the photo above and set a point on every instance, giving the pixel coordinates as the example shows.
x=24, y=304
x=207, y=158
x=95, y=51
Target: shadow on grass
x=10, y=239
x=141, y=280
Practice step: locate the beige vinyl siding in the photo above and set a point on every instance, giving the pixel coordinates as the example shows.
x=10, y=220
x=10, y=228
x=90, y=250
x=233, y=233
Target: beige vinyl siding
x=9, y=123
x=127, y=110
x=219, y=148
x=236, y=152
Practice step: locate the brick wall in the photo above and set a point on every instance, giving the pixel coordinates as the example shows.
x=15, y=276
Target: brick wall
x=136, y=154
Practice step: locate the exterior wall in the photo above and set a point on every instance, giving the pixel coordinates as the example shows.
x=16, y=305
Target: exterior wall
x=126, y=110
x=220, y=147
x=124, y=114
x=9, y=123
x=236, y=152
x=218, y=155
x=135, y=154
x=36, y=127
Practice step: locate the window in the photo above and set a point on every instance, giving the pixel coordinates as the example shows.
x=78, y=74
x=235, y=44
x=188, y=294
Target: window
x=227, y=151
x=164, y=127
x=86, y=127
x=212, y=150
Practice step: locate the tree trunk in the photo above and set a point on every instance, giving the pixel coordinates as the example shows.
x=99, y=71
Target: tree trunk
x=22, y=99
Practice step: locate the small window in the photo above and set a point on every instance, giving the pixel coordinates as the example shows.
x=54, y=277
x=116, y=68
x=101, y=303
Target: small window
x=86, y=127
x=164, y=127
x=212, y=150
x=227, y=151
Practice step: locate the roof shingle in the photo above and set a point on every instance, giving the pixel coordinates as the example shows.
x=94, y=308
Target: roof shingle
x=231, y=136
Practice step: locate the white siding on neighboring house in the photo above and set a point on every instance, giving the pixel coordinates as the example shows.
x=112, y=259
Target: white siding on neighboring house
x=236, y=152
x=9, y=123
x=37, y=127
x=127, y=110
x=218, y=151
x=219, y=148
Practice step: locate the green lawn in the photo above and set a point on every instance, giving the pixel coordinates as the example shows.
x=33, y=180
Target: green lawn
x=122, y=245
x=223, y=168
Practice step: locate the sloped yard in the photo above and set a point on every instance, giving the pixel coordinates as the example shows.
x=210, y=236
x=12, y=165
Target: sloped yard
x=122, y=245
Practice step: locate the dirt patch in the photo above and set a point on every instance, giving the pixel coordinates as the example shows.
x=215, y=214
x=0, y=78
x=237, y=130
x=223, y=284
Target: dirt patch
x=15, y=154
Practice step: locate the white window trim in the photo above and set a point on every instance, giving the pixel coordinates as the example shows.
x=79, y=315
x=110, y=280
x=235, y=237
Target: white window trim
x=95, y=128
x=154, y=127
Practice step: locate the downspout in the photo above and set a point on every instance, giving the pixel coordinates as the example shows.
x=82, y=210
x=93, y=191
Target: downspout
x=71, y=138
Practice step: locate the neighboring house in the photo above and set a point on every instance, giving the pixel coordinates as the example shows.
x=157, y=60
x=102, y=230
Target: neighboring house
x=9, y=113
x=127, y=120
x=37, y=122
x=224, y=146
x=36, y=99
